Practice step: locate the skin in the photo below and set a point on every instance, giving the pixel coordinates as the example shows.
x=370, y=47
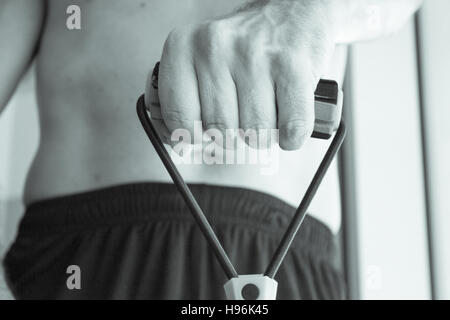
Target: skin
x=257, y=67
x=253, y=67
x=248, y=70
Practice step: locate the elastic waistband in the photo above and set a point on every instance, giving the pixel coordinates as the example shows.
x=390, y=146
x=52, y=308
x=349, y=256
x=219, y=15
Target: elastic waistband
x=145, y=202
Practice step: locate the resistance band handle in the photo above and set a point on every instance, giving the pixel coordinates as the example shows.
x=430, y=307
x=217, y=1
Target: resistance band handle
x=328, y=100
x=327, y=105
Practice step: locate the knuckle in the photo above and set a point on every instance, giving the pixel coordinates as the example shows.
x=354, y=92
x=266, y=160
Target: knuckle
x=294, y=133
x=176, y=120
x=257, y=121
x=256, y=138
x=215, y=124
x=256, y=134
x=293, y=68
x=209, y=39
x=174, y=39
x=178, y=40
x=246, y=50
x=257, y=126
x=286, y=61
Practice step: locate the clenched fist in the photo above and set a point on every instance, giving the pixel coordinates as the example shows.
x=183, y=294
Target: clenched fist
x=256, y=68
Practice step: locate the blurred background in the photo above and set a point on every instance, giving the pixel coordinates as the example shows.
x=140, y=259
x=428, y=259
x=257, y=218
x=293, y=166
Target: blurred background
x=395, y=165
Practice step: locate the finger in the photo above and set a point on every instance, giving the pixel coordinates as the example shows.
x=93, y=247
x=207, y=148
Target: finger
x=257, y=108
x=151, y=94
x=154, y=107
x=295, y=104
x=177, y=87
x=218, y=98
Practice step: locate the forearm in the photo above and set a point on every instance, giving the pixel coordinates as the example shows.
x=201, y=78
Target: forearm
x=345, y=20
x=358, y=20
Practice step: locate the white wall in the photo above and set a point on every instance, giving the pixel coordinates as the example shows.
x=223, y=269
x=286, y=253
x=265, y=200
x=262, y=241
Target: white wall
x=436, y=71
x=391, y=210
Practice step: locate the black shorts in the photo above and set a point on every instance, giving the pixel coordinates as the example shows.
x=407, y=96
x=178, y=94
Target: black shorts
x=139, y=241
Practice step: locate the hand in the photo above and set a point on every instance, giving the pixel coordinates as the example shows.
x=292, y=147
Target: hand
x=256, y=68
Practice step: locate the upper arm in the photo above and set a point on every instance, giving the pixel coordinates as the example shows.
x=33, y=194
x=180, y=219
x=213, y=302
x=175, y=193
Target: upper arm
x=20, y=27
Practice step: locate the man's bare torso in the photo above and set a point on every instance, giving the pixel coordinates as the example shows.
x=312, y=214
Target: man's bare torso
x=88, y=84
